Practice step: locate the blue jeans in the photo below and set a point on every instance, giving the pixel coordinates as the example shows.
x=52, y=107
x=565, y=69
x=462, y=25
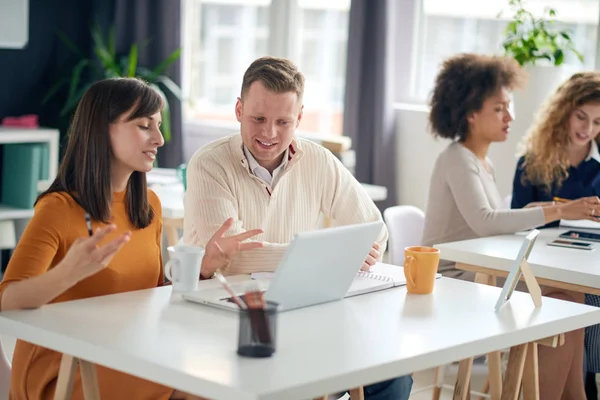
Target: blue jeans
x=394, y=389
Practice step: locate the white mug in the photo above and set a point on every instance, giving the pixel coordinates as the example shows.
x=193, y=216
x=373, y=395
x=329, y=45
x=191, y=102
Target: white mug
x=183, y=268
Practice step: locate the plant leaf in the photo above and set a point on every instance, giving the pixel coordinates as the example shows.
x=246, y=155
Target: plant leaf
x=65, y=39
x=76, y=76
x=55, y=88
x=165, y=126
x=133, y=57
x=170, y=85
x=166, y=62
x=74, y=100
x=565, y=35
x=112, y=46
x=578, y=54
x=103, y=54
x=559, y=57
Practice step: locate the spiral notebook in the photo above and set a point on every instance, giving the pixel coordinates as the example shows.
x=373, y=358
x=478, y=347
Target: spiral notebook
x=382, y=276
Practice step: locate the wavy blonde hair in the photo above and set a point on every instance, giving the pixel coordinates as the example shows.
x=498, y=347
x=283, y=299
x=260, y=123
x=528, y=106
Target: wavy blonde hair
x=546, y=144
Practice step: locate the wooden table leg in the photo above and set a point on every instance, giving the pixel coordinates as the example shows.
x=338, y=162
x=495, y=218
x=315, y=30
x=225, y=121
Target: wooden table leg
x=495, y=374
x=438, y=382
x=531, y=379
x=89, y=381
x=357, y=394
x=485, y=279
x=462, y=388
x=514, y=372
x=66, y=378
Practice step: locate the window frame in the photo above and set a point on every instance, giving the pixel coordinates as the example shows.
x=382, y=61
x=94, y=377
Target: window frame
x=409, y=31
x=283, y=41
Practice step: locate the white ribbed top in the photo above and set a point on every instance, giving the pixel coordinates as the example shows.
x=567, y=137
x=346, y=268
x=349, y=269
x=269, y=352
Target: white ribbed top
x=220, y=185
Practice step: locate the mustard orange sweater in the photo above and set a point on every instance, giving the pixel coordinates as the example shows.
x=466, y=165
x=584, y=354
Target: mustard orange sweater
x=57, y=222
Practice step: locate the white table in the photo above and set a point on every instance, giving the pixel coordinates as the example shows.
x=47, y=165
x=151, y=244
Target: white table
x=322, y=349
x=560, y=267
x=170, y=191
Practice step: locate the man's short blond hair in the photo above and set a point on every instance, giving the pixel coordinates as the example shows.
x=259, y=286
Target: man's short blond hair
x=278, y=75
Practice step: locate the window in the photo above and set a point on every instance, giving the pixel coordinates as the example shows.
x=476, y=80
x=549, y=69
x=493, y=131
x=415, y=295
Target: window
x=447, y=28
x=222, y=37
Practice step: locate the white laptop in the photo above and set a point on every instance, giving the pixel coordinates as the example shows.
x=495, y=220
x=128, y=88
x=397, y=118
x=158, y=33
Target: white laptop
x=317, y=267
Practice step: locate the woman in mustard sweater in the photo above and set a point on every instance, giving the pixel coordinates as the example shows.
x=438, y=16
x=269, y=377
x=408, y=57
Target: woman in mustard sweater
x=113, y=142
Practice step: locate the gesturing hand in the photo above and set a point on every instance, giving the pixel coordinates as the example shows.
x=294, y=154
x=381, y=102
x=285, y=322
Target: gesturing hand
x=220, y=249
x=85, y=257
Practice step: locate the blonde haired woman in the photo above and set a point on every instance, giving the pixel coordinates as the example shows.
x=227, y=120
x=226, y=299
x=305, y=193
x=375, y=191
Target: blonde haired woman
x=561, y=159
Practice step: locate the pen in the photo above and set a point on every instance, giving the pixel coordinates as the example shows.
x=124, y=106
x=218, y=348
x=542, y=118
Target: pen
x=561, y=200
x=88, y=223
x=240, y=303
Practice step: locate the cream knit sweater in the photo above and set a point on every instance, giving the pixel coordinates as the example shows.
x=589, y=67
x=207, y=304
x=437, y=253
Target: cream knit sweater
x=220, y=185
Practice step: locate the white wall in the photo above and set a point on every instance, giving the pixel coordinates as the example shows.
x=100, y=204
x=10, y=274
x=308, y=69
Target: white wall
x=14, y=24
x=417, y=151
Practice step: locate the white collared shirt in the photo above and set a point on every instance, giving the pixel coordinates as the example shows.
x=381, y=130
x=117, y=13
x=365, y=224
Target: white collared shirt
x=594, y=154
x=261, y=172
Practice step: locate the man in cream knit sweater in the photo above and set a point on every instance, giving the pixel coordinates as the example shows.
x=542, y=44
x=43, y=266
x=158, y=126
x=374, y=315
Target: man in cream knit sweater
x=266, y=178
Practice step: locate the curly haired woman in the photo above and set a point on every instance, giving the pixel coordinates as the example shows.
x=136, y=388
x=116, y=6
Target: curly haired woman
x=471, y=106
x=561, y=159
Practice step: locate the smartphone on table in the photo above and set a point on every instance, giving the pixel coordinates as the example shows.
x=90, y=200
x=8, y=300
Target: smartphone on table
x=581, y=236
x=572, y=244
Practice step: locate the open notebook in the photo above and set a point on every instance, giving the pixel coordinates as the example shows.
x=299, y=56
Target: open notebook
x=382, y=276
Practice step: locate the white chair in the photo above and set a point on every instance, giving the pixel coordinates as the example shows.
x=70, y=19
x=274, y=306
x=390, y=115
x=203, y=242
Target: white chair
x=5, y=368
x=507, y=201
x=405, y=225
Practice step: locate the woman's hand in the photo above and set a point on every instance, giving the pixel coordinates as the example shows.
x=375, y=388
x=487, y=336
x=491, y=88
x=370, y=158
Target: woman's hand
x=85, y=257
x=220, y=249
x=584, y=208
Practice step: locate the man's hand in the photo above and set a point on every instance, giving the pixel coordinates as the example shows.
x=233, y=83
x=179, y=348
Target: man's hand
x=220, y=249
x=371, y=258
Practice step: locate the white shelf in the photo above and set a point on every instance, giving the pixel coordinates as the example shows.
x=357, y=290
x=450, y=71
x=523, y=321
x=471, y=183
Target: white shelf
x=8, y=212
x=30, y=135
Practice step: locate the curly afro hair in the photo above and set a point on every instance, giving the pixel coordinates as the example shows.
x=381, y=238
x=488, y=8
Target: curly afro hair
x=464, y=82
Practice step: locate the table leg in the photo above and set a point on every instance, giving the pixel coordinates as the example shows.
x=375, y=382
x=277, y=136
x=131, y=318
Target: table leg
x=357, y=394
x=462, y=388
x=438, y=382
x=89, y=381
x=66, y=378
x=514, y=372
x=485, y=279
x=495, y=374
x=531, y=381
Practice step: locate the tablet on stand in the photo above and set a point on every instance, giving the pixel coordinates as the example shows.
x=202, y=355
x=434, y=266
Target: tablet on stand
x=521, y=267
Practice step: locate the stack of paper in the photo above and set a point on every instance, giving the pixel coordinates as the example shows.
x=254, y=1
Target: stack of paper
x=580, y=223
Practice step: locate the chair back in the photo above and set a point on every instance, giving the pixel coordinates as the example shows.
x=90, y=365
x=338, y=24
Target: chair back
x=405, y=225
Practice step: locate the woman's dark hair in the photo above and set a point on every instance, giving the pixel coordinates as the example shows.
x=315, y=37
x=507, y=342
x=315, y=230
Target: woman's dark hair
x=85, y=169
x=462, y=85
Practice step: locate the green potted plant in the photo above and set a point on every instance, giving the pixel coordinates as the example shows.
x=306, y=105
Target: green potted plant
x=539, y=44
x=108, y=64
x=535, y=41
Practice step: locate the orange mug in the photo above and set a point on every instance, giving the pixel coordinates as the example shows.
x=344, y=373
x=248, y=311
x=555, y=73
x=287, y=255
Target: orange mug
x=420, y=268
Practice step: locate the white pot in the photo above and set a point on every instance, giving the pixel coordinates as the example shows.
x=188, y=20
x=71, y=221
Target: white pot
x=542, y=82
